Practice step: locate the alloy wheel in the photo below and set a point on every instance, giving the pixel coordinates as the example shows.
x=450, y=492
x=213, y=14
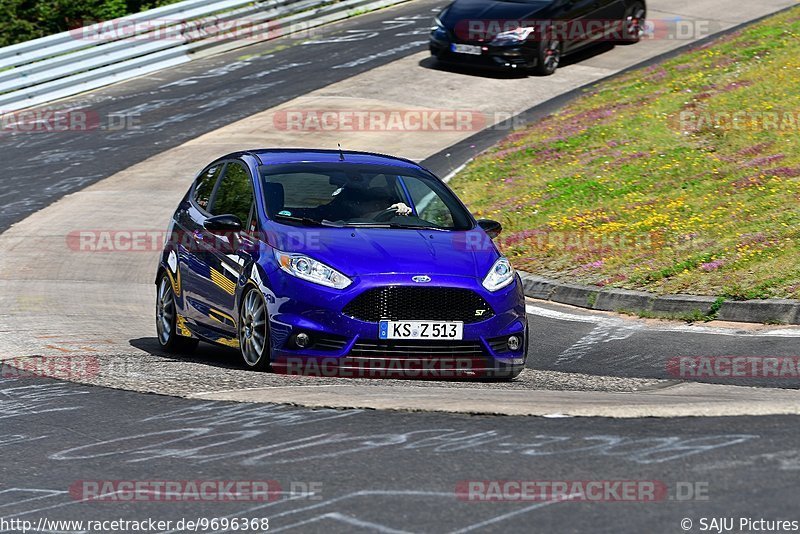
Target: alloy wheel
x=552, y=56
x=165, y=312
x=253, y=330
x=634, y=23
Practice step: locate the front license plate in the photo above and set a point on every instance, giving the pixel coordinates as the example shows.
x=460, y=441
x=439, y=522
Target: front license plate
x=421, y=330
x=466, y=49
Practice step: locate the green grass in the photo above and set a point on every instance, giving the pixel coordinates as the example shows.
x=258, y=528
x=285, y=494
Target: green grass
x=631, y=186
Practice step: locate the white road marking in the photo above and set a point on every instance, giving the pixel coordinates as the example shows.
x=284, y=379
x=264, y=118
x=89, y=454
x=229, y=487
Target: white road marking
x=397, y=494
x=600, y=334
x=378, y=55
x=516, y=512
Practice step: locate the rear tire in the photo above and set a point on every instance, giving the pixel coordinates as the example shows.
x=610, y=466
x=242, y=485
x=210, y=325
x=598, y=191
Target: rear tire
x=254, y=331
x=633, y=25
x=167, y=318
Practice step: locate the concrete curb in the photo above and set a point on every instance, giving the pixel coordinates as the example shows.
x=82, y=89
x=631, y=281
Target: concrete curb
x=681, y=400
x=770, y=311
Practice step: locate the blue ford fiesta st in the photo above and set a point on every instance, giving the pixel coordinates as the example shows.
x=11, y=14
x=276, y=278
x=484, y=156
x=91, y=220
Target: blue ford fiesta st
x=342, y=263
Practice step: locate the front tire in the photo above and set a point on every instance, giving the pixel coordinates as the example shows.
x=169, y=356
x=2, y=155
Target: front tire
x=254, y=331
x=167, y=319
x=549, y=57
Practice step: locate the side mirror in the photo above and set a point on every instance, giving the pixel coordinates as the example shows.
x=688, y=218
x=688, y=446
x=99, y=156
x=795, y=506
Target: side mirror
x=222, y=224
x=492, y=228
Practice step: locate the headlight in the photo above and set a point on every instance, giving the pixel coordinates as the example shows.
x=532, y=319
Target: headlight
x=312, y=270
x=500, y=275
x=438, y=29
x=511, y=37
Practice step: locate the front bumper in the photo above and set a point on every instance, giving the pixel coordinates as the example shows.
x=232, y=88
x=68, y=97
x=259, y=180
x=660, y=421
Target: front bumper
x=342, y=345
x=492, y=57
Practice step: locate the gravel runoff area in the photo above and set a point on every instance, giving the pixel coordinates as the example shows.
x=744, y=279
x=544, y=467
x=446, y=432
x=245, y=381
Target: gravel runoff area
x=213, y=369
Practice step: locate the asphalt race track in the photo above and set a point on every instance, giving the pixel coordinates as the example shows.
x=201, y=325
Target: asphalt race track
x=362, y=470
x=173, y=106
x=380, y=471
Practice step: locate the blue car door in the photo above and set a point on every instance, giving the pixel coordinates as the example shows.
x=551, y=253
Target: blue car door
x=194, y=252
x=231, y=252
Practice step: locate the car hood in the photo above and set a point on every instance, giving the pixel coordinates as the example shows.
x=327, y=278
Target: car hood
x=462, y=11
x=366, y=251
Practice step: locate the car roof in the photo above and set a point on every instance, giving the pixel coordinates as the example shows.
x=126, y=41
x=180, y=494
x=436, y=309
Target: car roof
x=282, y=156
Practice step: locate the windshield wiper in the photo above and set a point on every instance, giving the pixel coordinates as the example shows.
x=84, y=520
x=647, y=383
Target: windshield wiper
x=306, y=221
x=415, y=227
x=398, y=226
x=366, y=225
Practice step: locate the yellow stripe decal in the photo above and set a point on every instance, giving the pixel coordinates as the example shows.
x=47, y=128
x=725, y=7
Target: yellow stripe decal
x=220, y=316
x=229, y=342
x=175, y=281
x=223, y=282
x=180, y=324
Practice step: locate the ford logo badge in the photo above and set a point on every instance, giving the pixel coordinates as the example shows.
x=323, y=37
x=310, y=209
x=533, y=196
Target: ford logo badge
x=422, y=279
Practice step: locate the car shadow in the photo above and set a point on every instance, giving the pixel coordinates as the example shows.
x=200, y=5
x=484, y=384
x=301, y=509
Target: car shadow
x=205, y=353
x=500, y=74
x=228, y=358
x=432, y=63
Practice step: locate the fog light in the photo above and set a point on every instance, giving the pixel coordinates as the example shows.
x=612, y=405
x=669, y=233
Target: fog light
x=513, y=343
x=302, y=340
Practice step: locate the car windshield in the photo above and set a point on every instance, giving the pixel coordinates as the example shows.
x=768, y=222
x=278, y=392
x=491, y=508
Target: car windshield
x=351, y=195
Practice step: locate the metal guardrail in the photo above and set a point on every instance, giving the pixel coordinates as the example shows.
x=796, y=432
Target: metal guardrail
x=68, y=63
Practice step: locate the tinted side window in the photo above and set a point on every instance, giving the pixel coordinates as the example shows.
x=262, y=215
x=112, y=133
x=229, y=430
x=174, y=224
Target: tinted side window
x=430, y=206
x=235, y=193
x=205, y=186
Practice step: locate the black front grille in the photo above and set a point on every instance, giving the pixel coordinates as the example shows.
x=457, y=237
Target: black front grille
x=330, y=342
x=499, y=344
x=416, y=349
x=451, y=356
x=404, y=303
